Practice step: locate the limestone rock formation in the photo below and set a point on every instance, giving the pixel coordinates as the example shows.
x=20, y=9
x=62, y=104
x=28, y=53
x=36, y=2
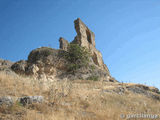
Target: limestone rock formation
x=86, y=38
x=9, y=100
x=63, y=44
x=41, y=60
x=19, y=67
x=6, y=100
x=5, y=64
x=31, y=99
x=51, y=63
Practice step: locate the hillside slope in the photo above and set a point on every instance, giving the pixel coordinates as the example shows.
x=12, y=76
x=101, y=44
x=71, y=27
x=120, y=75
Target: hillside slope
x=76, y=100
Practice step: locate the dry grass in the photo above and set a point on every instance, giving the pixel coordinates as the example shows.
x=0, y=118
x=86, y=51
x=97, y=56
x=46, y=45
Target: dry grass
x=72, y=100
x=18, y=86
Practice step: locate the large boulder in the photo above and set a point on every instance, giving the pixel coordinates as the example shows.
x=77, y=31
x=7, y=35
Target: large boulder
x=47, y=60
x=19, y=67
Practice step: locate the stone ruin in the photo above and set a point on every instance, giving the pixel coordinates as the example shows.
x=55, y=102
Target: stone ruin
x=63, y=44
x=49, y=64
x=85, y=38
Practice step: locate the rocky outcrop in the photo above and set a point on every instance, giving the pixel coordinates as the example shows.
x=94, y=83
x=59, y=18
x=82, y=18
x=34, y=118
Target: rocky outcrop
x=5, y=64
x=19, y=67
x=40, y=61
x=6, y=100
x=47, y=62
x=86, y=38
x=126, y=88
x=63, y=44
x=31, y=99
x=9, y=101
x=145, y=90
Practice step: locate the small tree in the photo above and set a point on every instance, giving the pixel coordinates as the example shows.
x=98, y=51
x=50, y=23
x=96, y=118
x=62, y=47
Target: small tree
x=77, y=57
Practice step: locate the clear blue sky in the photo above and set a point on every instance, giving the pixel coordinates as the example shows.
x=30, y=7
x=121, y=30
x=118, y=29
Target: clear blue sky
x=127, y=32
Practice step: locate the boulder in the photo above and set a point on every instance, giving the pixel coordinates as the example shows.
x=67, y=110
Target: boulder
x=5, y=65
x=5, y=62
x=31, y=99
x=19, y=67
x=6, y=100
x=32, y=69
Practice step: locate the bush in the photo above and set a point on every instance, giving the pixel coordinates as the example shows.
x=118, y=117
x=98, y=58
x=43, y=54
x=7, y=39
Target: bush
x=92, y=67
x=94, y=78
x=77, y=57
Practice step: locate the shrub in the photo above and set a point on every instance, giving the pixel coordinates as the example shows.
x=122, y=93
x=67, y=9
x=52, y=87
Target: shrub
x=92, y=67
x=77, y=57
x=94, y=78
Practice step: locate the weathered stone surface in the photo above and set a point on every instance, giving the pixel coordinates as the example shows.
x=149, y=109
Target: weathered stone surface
x=63, y=44
x=19, y=67
x=145, y=90
x=86, y=38
x=5, y=64
x=6, y=100
x=84, y=35
x=32, y=69
x=45, y=62
x=31, y=99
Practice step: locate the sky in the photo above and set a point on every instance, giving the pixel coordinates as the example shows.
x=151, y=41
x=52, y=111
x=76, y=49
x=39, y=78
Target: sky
x=127, y=32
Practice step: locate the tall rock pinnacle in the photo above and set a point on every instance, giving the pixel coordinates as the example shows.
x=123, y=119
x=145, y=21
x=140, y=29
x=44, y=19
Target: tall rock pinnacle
x=86, y=38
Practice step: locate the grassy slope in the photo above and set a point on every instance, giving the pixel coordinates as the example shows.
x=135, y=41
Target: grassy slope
x=72, y=100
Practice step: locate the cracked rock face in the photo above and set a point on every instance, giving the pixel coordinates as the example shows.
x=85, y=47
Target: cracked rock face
x=63, y=44
x=85, y=38
x=51, y=62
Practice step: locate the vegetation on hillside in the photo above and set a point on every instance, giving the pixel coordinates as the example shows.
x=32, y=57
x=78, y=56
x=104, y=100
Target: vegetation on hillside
x=80, y=100
x=77, y=57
